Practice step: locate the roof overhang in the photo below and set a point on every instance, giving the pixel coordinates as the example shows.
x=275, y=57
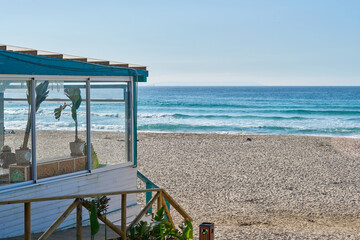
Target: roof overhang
x=24, y=61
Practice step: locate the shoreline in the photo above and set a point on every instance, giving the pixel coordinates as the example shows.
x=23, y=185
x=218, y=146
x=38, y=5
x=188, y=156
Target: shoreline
x=218, y=133
x=249, y=134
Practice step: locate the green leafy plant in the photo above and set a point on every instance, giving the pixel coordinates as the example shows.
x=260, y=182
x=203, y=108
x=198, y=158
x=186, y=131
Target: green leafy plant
x=41, y=92
x=74, y=95
x=187, y=229
x=160, y=228
x=94, y=157
x=141, y=231
x=98, y=207
x=94, y=223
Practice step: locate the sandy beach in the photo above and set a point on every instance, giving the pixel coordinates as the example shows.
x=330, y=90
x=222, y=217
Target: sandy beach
x=109, y=146
x=272, y=187
x=250, y=186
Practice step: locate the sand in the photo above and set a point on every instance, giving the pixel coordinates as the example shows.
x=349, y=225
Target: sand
x=109, y=146
x=272, y=187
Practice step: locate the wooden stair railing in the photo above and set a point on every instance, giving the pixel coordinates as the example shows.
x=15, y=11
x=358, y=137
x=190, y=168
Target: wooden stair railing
x=161, y=197
x=149, y=185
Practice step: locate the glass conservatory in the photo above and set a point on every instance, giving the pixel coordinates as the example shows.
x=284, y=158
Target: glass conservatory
x=67, y=127
x=53, y=105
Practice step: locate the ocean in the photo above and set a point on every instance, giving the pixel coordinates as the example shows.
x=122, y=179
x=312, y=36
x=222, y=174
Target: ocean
x=322, y=111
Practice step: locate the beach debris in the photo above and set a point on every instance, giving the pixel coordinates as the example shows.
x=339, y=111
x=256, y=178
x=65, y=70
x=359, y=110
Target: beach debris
x=323, y=144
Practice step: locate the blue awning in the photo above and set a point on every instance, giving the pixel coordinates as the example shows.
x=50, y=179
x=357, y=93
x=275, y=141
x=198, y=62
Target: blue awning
x=21, y=61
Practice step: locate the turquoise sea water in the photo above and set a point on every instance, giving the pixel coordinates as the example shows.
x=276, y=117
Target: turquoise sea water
x=329, y=111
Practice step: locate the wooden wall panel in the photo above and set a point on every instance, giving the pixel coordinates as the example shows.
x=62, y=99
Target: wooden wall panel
x=44, y=213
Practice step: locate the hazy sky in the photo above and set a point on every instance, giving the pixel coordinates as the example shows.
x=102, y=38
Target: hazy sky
x=200, y=42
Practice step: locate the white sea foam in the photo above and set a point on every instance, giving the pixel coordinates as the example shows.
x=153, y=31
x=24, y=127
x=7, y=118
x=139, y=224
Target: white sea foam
x=16, y=111
x=113, y=115
x=159, y=115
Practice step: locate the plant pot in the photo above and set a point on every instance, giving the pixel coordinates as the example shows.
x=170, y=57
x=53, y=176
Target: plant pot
x=23, y=157
x=77, y=148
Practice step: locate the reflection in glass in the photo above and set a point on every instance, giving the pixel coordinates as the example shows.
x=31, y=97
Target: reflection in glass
x=108, y=122
x=15, y=132
x=61, y=130
x=61, y=127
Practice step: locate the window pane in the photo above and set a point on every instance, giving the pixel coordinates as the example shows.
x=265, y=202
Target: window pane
x=15, y=133
x=109, y=128
x=61, y=129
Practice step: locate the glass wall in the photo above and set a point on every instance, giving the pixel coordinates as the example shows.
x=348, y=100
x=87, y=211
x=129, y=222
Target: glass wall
x=61, y=127
x=110, y=122
x=15, y=132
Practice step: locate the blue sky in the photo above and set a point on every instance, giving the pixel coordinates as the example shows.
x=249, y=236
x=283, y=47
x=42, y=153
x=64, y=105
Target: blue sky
x=200, y=42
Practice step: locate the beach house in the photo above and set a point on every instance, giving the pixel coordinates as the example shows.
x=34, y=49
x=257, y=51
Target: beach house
x=54, y=139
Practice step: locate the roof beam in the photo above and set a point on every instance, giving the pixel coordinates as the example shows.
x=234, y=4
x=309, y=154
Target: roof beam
x=119, y=65
x=99, y=62
x=55, y=55
x=80, y=59
x=138, y=67
x=32, y=52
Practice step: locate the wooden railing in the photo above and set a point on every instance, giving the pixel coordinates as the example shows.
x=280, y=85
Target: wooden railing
x=160, y=197
x=149, y=185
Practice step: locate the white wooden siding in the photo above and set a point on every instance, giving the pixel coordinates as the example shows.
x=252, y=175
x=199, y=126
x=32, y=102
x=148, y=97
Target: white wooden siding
x=44, y=213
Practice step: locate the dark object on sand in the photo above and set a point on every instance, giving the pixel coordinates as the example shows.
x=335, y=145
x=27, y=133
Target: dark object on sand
x=206, y=231
x=9, y=132
x=248, y=139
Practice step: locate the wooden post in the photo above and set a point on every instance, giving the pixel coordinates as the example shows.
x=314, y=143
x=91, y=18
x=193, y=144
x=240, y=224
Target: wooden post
x=159, y=203
x=27, y=221
x=79, y=222
x=143, y=211
x=176, y=206
x=123, y=215
x=168, y=213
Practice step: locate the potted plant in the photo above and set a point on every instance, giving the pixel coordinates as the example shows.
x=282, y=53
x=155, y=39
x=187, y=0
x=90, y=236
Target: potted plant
x=74, y=95
x=23, y=154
